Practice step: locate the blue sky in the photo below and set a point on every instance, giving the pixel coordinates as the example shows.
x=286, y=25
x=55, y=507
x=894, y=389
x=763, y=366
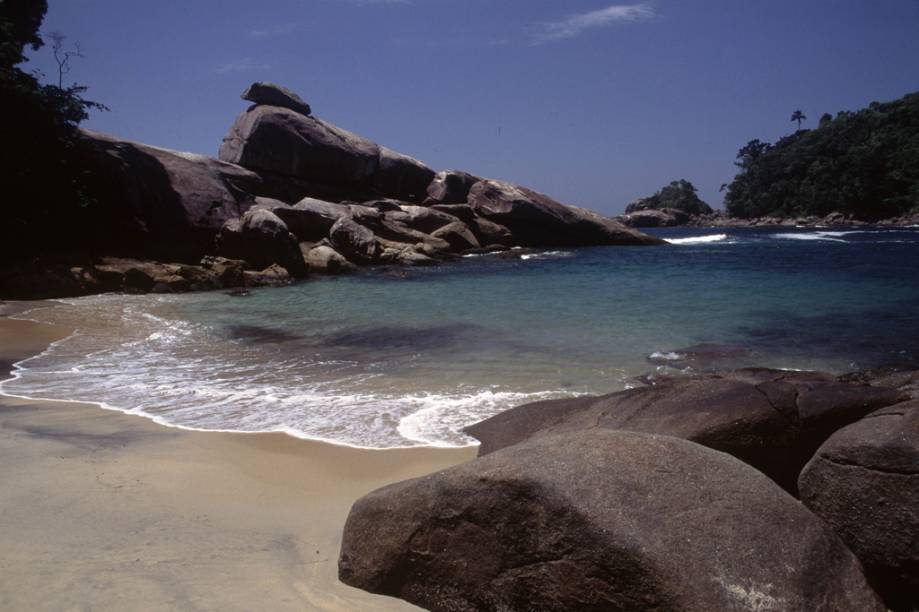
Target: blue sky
x=591, y=102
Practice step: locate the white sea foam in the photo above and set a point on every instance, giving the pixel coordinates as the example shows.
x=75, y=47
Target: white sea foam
x=669, y=356
x=440, y=420
x=819, y=236
x=698, y=239
x=547, y=255
x=181, y=374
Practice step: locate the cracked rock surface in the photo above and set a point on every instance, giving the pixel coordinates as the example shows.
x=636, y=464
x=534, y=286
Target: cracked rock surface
x=864, y=482
x=599, y=520
x=773, y=420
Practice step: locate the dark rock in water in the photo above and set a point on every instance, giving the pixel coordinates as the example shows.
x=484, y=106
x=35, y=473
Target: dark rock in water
x=282, y=141
x=275, y=95
x=667, y=217
x=164, y=204
x=774, y=424
x=864, y=482
x=450, y=187
x=261, y=238
x=539, y=221
x=599, y=520
x=258, y=334
x=357, y=243
x=400, y=176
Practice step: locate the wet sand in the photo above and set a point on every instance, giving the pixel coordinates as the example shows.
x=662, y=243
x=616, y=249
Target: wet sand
x=105, y=511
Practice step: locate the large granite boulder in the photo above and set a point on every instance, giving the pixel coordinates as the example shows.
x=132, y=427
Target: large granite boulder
x=771, y=419
x=864, y=482
x=599, y=520
x=281, y=141
x=421, y=218
x=539, y=221
x=357, y=243
x=402, y=177
x=165, y=204
x=261, y=238
x=275, y=95
x=309, y=219
x=450, y=187
x=323, y=259
x=458, y=235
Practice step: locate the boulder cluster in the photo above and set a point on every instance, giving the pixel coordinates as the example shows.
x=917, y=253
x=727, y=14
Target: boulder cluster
x=749, y=489
x=296, y=192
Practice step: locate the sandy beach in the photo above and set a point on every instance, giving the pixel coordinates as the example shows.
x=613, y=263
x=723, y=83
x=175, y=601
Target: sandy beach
x=105, y=511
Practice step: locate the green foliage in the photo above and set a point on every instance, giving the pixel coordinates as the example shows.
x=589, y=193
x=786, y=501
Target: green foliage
x=864, y=164
x=680, y=195
x=44, y=160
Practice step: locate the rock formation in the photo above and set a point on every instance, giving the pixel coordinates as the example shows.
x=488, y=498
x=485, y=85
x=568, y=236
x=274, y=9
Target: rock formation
x=771, y=419
x=599, y=520
x=864, y=482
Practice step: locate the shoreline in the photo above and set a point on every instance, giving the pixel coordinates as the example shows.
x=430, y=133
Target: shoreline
x=172, y=517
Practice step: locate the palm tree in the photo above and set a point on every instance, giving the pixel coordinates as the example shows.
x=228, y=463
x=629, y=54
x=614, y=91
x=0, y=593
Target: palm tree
x=799, y=117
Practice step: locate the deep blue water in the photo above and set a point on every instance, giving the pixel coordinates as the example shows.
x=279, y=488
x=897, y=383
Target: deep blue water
x=406, y=357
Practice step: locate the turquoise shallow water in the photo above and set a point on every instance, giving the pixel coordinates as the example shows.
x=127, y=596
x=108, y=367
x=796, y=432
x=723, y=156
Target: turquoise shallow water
x=403, y=358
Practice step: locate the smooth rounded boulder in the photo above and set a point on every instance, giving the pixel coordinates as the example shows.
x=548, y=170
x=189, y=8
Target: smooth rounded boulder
x=402, y=177
x=864, y=482
x=261, y=238
x=537, y=220
x=599, y=520
x=357, y=243
x=281, y=141
x=165, y=204
x=771, y=419
x=450, y=187
x=275, y=95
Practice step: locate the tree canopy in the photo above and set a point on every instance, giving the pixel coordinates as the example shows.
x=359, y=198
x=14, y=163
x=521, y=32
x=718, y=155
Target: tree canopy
x=42, y=155
x=680, y=195
x=864, y=164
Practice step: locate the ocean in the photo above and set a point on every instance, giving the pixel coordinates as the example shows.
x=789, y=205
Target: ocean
x=407, y=357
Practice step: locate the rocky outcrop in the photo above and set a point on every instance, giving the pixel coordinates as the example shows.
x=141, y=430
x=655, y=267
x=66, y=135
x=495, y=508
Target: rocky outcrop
x=771, y=419
x=261, y=238
x=354, y=241
x=285, y=177
x=323, y=259
x=402, y=177
x=284, y=142
x=166, y=204
x=275, y=95
x=450, y=187
x=599, y=520
x=537, y=220
x=665, y=217
x=864, y=482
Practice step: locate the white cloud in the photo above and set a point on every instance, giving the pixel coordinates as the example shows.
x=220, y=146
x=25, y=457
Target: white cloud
x=271, y=32
x=243, y=65
x=574, y=25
